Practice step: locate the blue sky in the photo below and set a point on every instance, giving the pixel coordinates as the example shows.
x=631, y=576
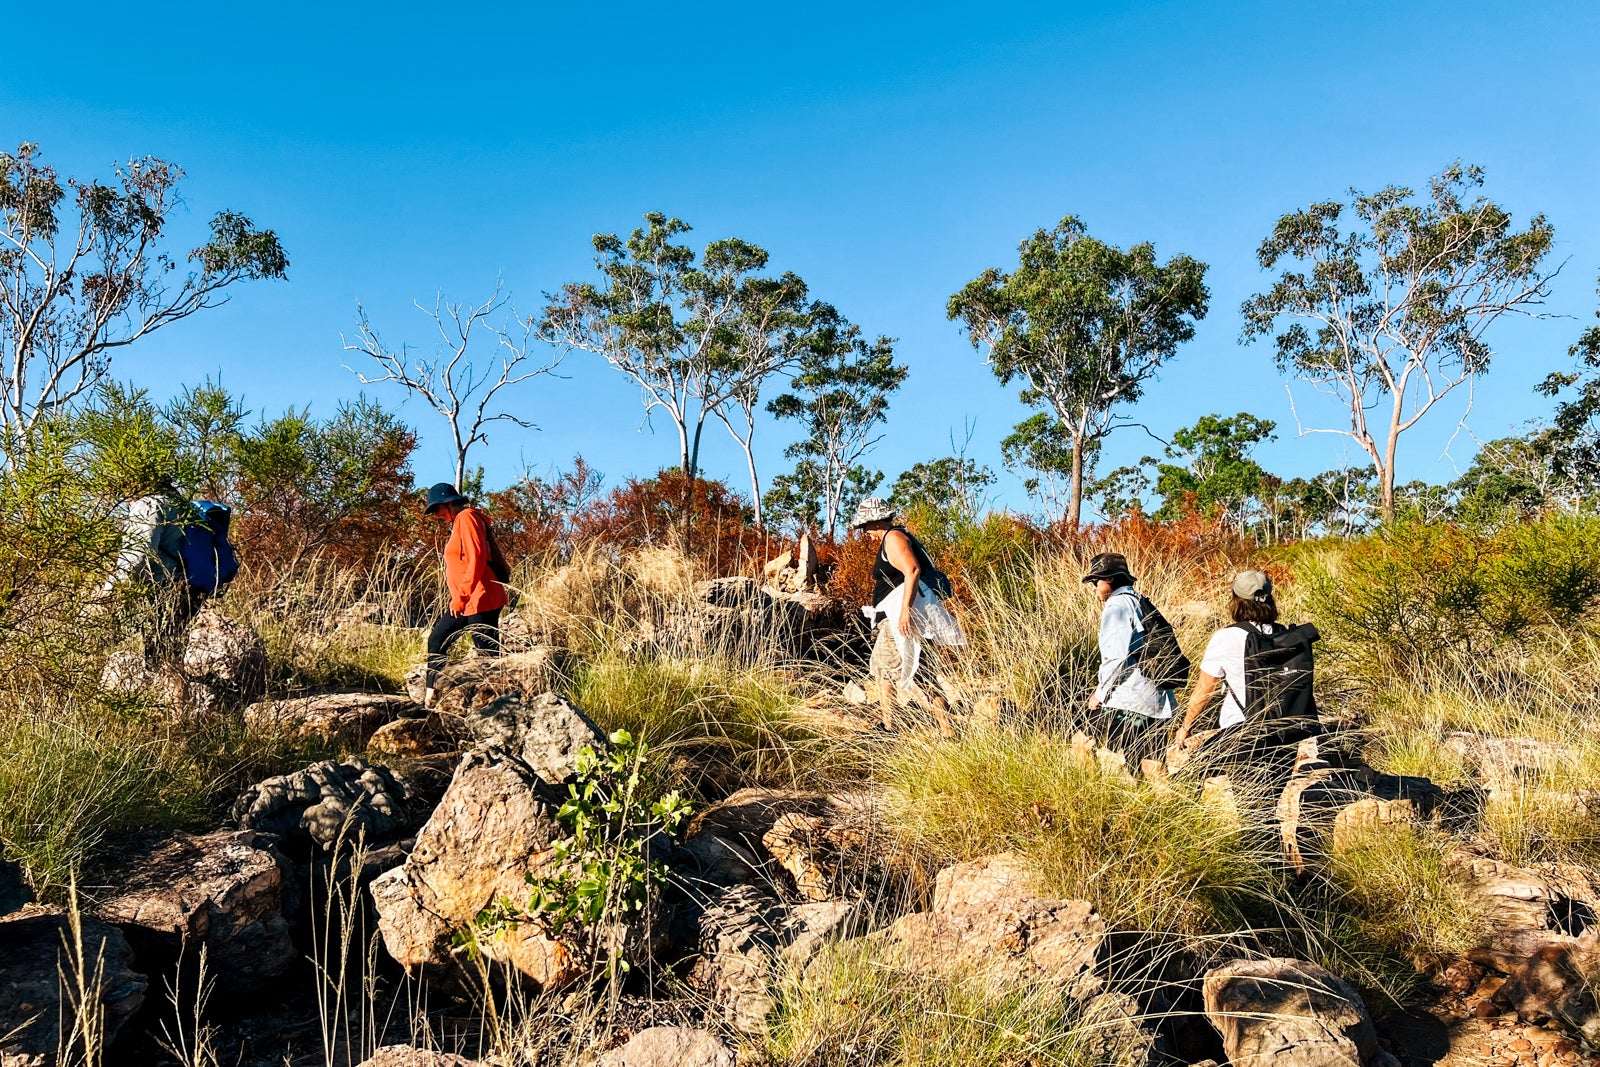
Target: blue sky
x=886, y=153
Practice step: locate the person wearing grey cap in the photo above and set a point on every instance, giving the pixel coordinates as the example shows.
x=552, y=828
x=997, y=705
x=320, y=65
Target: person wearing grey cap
x=1133, y=706
x=1265, y=670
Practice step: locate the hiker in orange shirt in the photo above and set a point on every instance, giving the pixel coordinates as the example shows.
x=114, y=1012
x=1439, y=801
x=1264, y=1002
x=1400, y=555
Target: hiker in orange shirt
x=475, y=573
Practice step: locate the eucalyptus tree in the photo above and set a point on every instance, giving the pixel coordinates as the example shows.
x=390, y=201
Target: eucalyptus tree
x=695, y=334
x=840, y=397
x=87, y=269
x=1389, y=315
x=481, y=350
x=1086, y=326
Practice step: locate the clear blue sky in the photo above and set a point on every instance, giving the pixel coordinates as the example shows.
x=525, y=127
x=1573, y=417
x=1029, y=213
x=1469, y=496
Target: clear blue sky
x=886, y=153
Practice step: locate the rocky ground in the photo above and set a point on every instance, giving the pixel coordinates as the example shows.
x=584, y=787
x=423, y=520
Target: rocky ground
x=452, y=808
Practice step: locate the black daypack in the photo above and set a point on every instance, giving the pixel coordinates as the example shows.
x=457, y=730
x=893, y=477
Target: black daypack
x=498, y=567
x=1278, y=674
x=1160, y=659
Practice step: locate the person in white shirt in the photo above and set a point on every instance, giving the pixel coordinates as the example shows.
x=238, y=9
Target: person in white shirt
x=1131, y=708
x=1252, y=608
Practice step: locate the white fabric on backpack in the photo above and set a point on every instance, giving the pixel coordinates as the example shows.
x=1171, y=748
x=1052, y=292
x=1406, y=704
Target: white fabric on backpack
x=1122, y=685
x=930, y=621
x=1224, y=659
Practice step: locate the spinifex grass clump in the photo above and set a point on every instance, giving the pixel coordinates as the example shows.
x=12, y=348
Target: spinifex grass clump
x=715, y=725
x=1149, y=856
x=78, y=773
x=851, y=1005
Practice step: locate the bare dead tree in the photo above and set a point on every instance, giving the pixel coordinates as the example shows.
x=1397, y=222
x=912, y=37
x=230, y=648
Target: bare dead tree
x=460, y=380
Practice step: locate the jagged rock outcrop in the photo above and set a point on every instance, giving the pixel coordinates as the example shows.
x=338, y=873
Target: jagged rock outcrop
x=821, y=845
x=348, y=718
x=126, y=674
x=226, y=656
x=738, y=934
x=1549, y=977
x=38, y=948
x=464, y=688
x=989, y=918
x=1289, y=1013
x=543, y=731
x=406, y=1056
x=1315, y=802
x=494, y=824
x=415, y=738
x=224, y=891
x=332, y=802
x=671, y=1046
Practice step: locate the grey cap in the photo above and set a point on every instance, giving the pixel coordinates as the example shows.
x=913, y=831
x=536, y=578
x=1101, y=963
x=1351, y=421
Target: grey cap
x=1252, y=585
x=872, y=509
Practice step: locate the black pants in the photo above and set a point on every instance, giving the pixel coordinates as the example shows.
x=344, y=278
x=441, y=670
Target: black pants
x=483, y=626
x=1137, y=737
x=170, y=610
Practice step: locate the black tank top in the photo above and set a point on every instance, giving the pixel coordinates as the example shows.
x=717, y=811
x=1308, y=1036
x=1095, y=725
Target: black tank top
x=885, y=575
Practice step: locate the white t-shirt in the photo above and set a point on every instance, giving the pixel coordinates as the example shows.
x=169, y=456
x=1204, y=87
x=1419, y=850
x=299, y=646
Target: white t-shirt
x=1224, y=659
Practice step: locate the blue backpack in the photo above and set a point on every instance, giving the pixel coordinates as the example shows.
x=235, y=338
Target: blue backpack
x=209, y=561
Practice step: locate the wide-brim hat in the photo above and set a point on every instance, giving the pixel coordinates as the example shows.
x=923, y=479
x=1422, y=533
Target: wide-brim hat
x=440, y=494
x=1108, y=565
x=872, y=509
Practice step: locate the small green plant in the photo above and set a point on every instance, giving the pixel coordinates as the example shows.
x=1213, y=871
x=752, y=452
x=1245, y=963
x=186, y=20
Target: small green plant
x=603, y=862
x=602, y=869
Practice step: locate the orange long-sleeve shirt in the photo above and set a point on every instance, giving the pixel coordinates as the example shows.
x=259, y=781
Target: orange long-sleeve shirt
x=466, y=566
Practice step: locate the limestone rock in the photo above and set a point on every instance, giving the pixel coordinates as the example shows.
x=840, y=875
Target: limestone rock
x=988, y=917
x=465, y=688
x=1289, y=1013
x=1501, y=760
x=543, y=731
x=739, y=932
x=822, y=842
x=671, y=1046
x=406, y=1056
x=1562, y=897
x=34, y=1014
x=332, y=801
x=494, y=824
x=350, y=718
x=126, y=674
x=809, y=927
x=413, y=738
x=1547, y=977
x=1311, y=805
x=225, y=655
x=223, y=890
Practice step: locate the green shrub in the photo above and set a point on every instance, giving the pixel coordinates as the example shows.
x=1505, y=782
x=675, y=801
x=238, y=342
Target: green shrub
x=1418, y=595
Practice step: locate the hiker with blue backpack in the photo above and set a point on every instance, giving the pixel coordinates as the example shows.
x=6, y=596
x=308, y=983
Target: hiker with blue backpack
x=175, y=554
x=475, y=572
x=1265, y=670
x=1140, y=664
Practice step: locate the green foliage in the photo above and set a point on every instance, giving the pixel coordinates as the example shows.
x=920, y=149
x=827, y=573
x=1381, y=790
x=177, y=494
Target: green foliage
x=1396, y=883
x=602, y=867
x=840, y=396
x=853, y=1005
x=951, y=488
x=1418, y=594
x=1390, y=315
x=1214, y=469
x=1183, y=862
x=1085, y=325
x=84, y=271
x=716, y=726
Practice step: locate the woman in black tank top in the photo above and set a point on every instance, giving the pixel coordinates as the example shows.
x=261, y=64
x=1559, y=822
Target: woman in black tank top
x=901, y=563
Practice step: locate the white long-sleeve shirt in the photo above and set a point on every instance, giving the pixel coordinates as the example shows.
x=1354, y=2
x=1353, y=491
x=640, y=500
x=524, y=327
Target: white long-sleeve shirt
x=1122, y=685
